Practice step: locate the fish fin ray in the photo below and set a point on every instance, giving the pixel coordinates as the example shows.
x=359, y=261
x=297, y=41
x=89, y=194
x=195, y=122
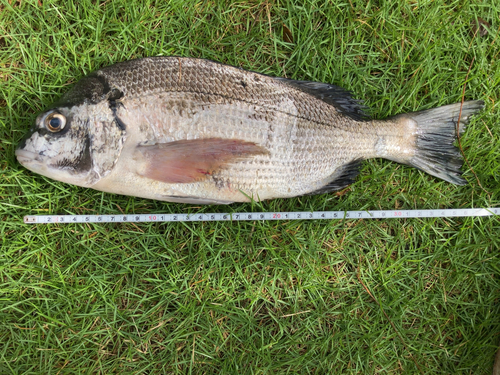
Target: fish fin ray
x=336, y=96
x=194, y=160
x=435, y=152
x=341, y=178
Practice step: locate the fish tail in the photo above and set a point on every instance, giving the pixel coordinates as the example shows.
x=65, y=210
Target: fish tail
x=433, y=133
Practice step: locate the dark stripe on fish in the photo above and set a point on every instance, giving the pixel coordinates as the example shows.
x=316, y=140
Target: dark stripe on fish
x=81, y=163
x=115, y=95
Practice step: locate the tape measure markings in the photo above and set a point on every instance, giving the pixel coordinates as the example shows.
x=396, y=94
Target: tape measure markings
x=264, y=216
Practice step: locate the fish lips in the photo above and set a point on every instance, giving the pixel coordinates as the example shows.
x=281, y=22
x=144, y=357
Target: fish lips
x=31, y=160
x=25, y=157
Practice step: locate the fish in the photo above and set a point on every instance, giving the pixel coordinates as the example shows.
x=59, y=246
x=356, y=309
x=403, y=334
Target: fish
x=197, y=131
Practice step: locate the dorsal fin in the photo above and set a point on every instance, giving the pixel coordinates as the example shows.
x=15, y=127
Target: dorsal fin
x=337, y=96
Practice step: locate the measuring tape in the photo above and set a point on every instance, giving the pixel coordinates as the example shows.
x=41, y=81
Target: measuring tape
x=265, y=216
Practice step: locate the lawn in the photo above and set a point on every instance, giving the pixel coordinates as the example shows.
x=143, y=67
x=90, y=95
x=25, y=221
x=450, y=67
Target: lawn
x=403, y=296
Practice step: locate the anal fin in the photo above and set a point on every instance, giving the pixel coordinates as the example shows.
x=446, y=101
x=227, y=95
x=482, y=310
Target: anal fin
x=343, y=177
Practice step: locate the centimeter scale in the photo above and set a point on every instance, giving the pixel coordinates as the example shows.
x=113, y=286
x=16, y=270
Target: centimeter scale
x=264, y=216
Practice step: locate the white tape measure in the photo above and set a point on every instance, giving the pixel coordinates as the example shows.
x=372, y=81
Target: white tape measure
x=245, y=216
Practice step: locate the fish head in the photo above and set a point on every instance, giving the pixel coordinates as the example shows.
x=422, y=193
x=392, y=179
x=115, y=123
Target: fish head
x=77, y=140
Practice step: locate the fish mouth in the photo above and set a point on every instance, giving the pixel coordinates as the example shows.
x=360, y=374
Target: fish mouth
x=27, y=157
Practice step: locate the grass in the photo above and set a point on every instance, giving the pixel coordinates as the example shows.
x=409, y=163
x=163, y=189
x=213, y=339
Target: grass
x=341, y=297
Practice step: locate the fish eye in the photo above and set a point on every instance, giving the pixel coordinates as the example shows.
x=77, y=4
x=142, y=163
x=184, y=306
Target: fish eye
x=55, y=122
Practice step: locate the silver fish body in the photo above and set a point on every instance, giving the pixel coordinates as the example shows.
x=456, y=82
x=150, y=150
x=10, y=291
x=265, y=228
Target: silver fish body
x=197, y=131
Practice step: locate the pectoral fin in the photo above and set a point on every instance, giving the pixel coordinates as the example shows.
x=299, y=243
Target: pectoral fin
x=193, y=160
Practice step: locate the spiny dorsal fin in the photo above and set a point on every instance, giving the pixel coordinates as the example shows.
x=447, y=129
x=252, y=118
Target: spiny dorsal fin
x=337, y=96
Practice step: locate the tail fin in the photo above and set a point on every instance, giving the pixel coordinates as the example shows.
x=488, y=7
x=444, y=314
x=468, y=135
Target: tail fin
x=436, y=132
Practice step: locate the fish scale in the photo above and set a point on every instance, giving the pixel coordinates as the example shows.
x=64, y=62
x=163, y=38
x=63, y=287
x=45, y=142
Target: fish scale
x=262, y=172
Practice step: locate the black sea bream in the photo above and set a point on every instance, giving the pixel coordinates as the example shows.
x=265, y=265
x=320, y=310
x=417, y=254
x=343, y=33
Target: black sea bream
x=196, y=131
